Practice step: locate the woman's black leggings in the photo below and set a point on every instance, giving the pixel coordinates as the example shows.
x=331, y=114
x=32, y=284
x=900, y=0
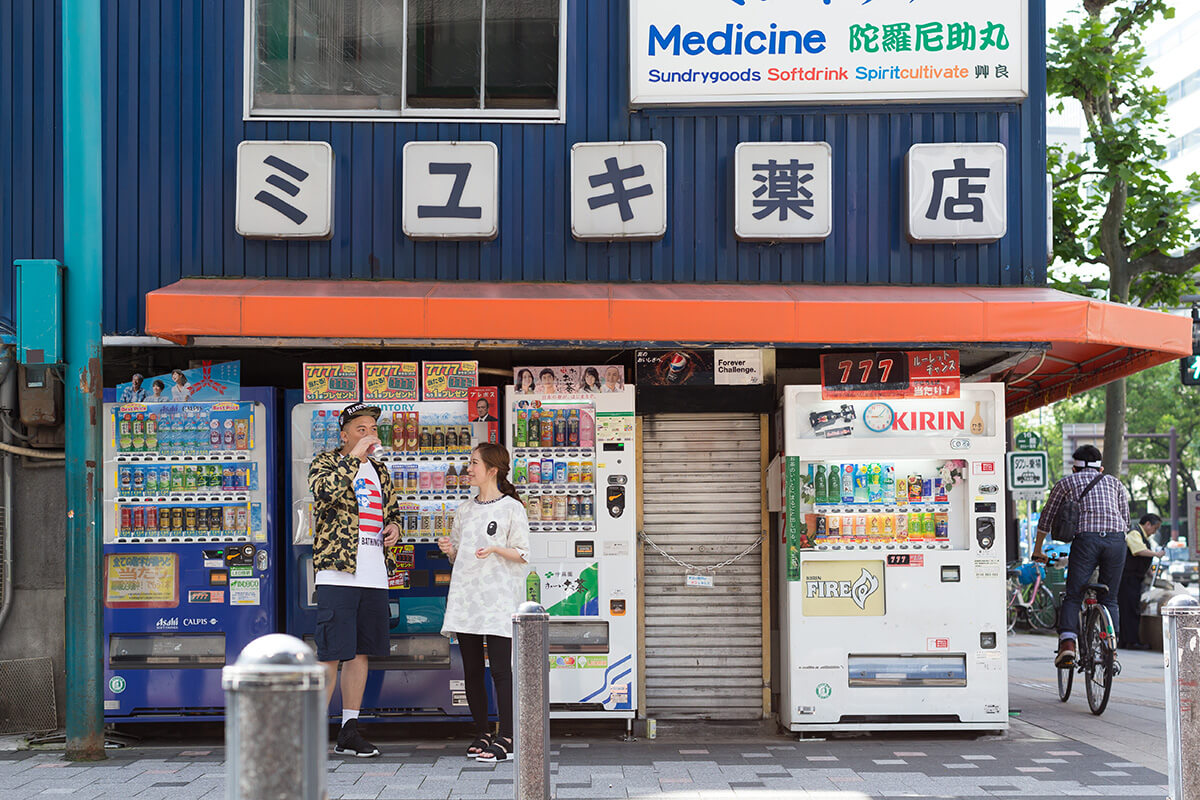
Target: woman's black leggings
x=500, y=660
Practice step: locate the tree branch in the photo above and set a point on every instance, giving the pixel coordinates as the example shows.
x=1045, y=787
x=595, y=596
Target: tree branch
x=1080, y=176
x=1161, y=262
x=1125, y=24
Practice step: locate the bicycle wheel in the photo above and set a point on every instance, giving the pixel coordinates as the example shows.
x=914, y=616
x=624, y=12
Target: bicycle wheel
x=1066, y=677
x=1098, y=669
x=1012, y=611
x=1042, y=611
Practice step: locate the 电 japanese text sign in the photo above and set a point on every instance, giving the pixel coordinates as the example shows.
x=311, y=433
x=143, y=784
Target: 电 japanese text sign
x=895, y=373
x=749, y=52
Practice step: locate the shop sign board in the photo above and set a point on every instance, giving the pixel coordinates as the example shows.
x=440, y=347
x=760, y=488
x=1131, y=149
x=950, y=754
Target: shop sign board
x=1029, y=440
x=957, y=192
x=751, y=52
x=891, y=374
x=618, y=190
x=699, y=367
x=1028, y=471
x=843, y=589
x=284, y=190
x=783, y=191
x=331, y=382
x=390, y=382
x=448, y=380
x=141, y=580
x=451, y=190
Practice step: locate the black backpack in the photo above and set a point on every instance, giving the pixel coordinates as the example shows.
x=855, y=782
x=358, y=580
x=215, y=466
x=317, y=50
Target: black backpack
x=1065, y=524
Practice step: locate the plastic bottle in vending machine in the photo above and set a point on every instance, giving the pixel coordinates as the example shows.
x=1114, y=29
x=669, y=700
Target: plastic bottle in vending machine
x=333, y=432
x=125, y=432
x=125, y=481
x=520, y=470
x=573, y=428
x=535, y=471
x=533, y=587
x=821, y=485
x=587, y=429
x=547, y=437
x=203, y=441
x=316, y=431
x=384, y=431
x=522, y=427
x=139, y=433
x=848, y=483
x=560, y=429
x=587, y=508
x=152, y=433
x=165, y=425
x=533, y=428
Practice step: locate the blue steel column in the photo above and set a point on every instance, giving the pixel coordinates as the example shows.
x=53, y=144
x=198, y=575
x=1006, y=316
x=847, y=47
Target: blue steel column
x=83, y=252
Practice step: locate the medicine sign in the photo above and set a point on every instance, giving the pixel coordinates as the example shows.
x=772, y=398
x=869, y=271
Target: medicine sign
x=749, y=52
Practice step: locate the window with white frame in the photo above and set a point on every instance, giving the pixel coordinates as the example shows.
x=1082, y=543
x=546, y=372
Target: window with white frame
x=406, y=58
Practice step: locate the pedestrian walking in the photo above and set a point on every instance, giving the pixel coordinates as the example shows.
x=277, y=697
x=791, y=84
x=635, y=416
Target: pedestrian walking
x=1099, y=540
x=489, y=547
x=357, y=520
x=1138, y=560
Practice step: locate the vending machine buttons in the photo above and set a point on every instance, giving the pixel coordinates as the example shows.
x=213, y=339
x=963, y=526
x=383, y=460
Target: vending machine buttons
x=987, y=640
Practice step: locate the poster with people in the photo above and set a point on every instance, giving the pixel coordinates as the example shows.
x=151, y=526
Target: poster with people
x=588, y=379
x=208, y=382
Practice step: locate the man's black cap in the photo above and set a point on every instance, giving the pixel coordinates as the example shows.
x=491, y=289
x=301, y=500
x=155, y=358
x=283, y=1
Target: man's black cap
x=357, y=410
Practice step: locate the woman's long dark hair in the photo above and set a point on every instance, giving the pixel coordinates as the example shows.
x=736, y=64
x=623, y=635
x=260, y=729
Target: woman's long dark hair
x=496, y=455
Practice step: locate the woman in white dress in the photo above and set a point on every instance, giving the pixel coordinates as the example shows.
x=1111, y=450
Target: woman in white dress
x=489, y=547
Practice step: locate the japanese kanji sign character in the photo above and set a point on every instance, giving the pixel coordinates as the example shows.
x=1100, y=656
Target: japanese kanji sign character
x=957, y=192
x=619, y=190
x=451, y=190
x=284, y=190
x=783, y=190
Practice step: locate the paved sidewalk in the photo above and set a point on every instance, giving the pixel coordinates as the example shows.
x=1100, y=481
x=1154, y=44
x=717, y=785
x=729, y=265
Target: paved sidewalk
x=1053, y=750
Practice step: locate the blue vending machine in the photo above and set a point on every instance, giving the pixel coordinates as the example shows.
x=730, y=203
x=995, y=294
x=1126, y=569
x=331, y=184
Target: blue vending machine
x=422, y=677
x=190, y=566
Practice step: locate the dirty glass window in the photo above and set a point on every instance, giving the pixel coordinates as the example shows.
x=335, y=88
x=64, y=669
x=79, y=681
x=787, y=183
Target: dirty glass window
x=406, y=57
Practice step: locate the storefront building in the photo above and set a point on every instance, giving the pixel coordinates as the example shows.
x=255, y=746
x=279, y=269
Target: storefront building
x=580, y=182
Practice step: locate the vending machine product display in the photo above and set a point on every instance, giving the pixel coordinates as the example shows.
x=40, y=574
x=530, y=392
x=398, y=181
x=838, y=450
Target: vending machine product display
x=426, y=447
x=189, y=566
x=892, y=570
x=574, y=464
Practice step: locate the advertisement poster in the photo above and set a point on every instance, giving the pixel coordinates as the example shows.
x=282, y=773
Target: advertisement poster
x=738, y=367
x=331, y=383
x=586, y=379
x=206, y=383
x=843, y=589
x=448, y=380
x=566, y=589
x=675, y=367
x=141, y=580
x=780, y=51
x=483, y=404
x=891, y=374
x=391, y=382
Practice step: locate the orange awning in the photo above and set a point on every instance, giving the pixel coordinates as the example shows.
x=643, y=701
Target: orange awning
x=1072, y=343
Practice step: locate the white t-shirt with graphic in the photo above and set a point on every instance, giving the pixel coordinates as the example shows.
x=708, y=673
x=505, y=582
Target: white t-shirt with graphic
x=372, y=569
x=485, y=592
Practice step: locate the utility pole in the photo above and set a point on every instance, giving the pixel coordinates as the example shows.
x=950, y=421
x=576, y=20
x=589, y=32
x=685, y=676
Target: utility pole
x=83, y=243
x=1172, y=462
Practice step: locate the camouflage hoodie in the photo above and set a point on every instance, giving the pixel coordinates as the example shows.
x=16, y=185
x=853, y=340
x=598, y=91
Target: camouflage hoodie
x=335, y=511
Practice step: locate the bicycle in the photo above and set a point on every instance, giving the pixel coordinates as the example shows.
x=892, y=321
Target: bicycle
x=1034, y=601
x=1096, y=655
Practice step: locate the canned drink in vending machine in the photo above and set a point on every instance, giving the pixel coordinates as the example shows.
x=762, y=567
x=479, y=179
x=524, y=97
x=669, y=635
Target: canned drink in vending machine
x=177, y=521
x=151, y=520
x=139, y=521
x=548, y=474
x=548, y=509
x=212, y=474
x=520, y=470
x=243, y=523
x=189, y=478
x=164, y=522
x=412, y=478
x=412, y=523
x=151, y=489
x=139, y=480
x=126, y=521
x=125, y=481
x=560, y=508
x=189, y=519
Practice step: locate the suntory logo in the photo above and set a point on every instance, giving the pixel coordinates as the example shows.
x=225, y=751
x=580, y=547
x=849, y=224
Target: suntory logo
x=858, y=591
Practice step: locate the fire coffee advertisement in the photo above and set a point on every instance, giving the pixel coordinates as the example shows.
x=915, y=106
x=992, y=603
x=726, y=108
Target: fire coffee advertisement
x=141, y=580
x=331, y=383
x=483, y=403
x=449, y=380
x=391, y=382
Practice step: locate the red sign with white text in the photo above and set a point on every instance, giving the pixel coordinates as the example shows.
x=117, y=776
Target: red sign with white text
x=891, y=374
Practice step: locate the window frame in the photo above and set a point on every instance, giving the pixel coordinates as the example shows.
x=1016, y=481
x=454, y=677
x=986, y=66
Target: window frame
x=404, y=113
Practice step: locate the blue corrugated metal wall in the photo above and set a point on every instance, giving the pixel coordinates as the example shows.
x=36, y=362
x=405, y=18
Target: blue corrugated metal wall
x=173, y=119
x=30, y=138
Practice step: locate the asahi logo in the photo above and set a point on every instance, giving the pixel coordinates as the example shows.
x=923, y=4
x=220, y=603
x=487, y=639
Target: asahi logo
x=859, y=591
x=167, y=624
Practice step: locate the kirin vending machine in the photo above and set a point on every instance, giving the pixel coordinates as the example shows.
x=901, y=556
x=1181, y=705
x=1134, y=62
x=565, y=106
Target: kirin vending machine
x=574, y=464
x=189, y=561
x=892, y=570
x=426, y=447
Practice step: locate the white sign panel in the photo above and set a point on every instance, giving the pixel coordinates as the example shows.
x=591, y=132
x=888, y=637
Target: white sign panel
x=1028, y=470
x=284, y=190
x=737, y=367
x=749, y=52
x=451, y=190
x=619, y=190
x=783, y=190
x=957, y=192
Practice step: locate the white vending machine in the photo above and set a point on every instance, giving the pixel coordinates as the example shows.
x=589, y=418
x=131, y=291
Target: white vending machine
x=892, y=570
x=574, y=463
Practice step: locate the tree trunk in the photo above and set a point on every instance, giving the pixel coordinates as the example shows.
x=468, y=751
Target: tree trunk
x=1114, y=426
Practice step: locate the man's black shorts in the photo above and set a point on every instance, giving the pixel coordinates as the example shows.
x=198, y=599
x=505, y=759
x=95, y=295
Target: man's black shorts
x=351, y=621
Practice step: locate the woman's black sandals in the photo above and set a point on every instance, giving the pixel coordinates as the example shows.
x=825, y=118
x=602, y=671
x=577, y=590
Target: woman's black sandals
x=501, y=749
x=479, y=746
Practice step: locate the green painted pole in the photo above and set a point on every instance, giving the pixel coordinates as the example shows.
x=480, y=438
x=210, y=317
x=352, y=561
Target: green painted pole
x=83, y=245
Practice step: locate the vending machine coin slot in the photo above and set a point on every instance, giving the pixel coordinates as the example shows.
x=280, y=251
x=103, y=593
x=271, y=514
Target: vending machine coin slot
x=615, y=501
x=987, y=640
x=985, y=532
x=240, y=557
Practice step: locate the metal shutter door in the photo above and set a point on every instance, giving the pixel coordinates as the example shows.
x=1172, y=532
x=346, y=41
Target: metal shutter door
x=702, y=503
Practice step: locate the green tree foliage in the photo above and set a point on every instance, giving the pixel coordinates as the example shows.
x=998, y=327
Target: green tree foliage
x=1113, y=204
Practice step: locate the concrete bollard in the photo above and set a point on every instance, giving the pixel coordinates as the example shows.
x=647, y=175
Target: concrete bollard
x=276, y=726
x=1181, y=654
x=531, y=701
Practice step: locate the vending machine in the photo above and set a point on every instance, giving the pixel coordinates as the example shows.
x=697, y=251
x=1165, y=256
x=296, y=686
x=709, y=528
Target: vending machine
x=426, y=447
x=189, y=551
x=574, y=464
x=892, y=570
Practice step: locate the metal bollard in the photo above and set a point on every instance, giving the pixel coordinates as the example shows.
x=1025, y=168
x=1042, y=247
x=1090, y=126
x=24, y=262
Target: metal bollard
x=531, y=701
x=1181, y=653
x=276, y=726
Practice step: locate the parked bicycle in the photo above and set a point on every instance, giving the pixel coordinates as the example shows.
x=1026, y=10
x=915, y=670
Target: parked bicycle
x=1030, y=600
x=1096, y=651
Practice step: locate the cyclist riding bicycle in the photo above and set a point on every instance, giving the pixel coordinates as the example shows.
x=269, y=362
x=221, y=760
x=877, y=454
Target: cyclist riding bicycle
x=1099, y=541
